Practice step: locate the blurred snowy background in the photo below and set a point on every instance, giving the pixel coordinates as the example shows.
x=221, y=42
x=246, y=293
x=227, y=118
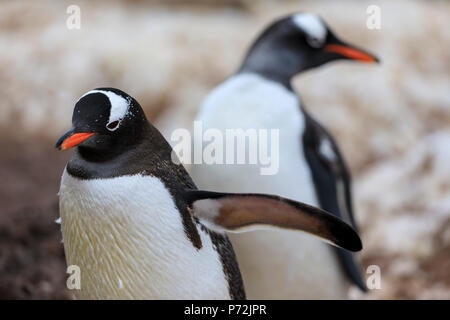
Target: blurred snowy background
x=392, y=120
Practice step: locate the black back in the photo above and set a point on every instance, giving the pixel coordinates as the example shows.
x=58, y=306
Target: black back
x=326, y=175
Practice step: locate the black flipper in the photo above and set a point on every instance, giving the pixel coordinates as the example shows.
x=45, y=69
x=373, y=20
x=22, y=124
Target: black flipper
x=332, y=183
x=237, y=212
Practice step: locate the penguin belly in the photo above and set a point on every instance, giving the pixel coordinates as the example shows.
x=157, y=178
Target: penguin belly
x=280, y=264
x=275, y=264
x=287, y=265
x=127, y=238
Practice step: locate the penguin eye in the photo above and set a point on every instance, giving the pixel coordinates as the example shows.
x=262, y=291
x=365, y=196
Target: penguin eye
x=113, y=125
x=314, y=42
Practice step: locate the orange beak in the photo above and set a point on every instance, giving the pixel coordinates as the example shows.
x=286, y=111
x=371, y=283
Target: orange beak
x=351, y=53
x=70, y=139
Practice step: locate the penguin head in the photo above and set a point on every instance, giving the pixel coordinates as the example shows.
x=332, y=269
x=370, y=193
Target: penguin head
x=105, y=121
x=296, y=43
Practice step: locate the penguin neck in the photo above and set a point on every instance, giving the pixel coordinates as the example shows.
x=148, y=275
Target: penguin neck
x=152, y=156
x=279, y=64
x=144, y=152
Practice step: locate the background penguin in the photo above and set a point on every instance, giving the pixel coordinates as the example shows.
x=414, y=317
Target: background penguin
x=286, y=265
x=134, y=223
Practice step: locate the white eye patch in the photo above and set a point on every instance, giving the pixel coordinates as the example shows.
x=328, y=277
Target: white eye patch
x=119, y=108
x=313, y=26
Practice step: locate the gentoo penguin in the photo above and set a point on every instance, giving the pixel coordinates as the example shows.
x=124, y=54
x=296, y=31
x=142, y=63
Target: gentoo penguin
x=285, y=264
x=136, y=226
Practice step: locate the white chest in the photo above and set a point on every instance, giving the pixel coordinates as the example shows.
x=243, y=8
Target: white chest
x=274, y=264
x=127, y=237
x=250, y=102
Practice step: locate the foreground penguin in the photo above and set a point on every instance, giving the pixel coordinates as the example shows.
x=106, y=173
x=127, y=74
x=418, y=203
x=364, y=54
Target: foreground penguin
x=285, y=264
x=134, y=223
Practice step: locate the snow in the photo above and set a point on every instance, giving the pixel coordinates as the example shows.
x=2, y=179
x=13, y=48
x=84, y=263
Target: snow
x=391, y=120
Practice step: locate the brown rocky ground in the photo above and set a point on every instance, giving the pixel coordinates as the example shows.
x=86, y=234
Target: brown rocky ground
x=32, y=262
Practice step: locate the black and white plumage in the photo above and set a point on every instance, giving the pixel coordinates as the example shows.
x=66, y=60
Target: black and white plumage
x=311, y=168
x=332, y=183
x=134, y=223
